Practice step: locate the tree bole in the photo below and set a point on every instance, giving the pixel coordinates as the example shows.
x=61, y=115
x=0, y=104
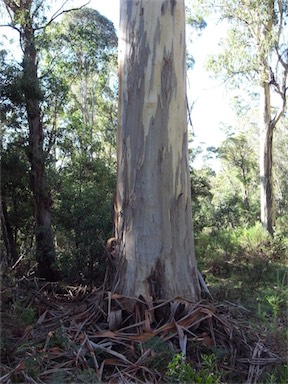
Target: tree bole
x=154, y=230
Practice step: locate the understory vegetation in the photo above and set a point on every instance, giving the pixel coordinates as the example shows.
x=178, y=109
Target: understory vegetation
x=63, y=332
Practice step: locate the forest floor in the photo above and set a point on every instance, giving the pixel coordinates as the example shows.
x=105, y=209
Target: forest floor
x=59, y=333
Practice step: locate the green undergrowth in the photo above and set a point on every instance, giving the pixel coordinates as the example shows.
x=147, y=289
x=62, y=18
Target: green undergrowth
x=244, y=267
x=247, y=267
x=181, y=371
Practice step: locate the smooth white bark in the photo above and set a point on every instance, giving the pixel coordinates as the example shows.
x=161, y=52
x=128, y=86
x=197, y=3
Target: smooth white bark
x=153, y=206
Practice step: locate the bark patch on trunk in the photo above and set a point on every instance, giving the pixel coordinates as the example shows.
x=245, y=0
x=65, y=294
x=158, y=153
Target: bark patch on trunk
x=155, y=281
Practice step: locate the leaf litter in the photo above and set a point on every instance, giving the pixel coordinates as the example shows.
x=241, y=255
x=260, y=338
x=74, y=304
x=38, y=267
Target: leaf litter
x=84, y=335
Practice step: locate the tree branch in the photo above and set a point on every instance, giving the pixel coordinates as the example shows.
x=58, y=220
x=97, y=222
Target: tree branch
x=12, y=5
x=282, y=110
x=9, y=4
x=39, y=5
x=58, y=13
x=278, y=117
x=11, y=26
x=283, y=63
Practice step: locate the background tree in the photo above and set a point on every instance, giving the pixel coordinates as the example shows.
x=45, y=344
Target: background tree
x=81, y=50
x=256, y=49
x=25, y=18
x=153, y=206
x=17, y=202
x=201, y=192
x=78, y=113
x=236, y=188
x=280, y=179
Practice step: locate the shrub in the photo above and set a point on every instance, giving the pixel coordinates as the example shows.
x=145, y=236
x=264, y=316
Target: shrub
x=182, y=372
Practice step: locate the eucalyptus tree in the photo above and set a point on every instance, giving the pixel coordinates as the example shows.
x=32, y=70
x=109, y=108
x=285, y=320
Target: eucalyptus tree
x=154, y=232
x=25, y=17
x=82, y=50
x=236, y=188
x=281, y=180
x=255, y=52
x=43, y=92
x=238, y=153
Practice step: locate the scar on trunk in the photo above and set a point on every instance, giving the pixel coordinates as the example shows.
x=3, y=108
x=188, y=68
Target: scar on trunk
x=155, y=281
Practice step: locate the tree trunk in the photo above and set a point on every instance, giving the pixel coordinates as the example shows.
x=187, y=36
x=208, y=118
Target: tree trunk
x=267, y=126
x=7, y=233
x=45, y=252
x=266, y=157
x=154, y=229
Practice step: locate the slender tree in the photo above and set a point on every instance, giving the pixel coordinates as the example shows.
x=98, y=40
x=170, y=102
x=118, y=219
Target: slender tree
x=82, y=54
x=74, y=61
x=28, y=18
x=266, y=40
x=256, y=49
x=154, y=229
x=23, y=16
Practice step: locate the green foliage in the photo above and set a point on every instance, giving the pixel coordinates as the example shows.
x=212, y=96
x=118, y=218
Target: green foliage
x=195, y=24
x=236, y=188
x=10, y=85
x=253, y=241
x=280, y=175
x=257, y=241
x=278, y=376
x=248, y=58
x=229, y=208
x=64, y=377
x=86, y=41
x=239, y=153
x=178, y=369
x=182, y=372
x=272, y=303
x=279, y=241
x=87, y=376
x=231, y=197
x=157, y=344
x=201, y=197
x=245, y=48
x=59, y=340
x=77, y=60
x=17, y=201
x=247, y=259
x=242, y=62
x=82, y=231
x=27, y=316
x=33, y=366
x=162, y=354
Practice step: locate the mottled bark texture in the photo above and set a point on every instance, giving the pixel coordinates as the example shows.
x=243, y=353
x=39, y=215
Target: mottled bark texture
x=267, y=125
x=154, y=229
x=266, y=156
